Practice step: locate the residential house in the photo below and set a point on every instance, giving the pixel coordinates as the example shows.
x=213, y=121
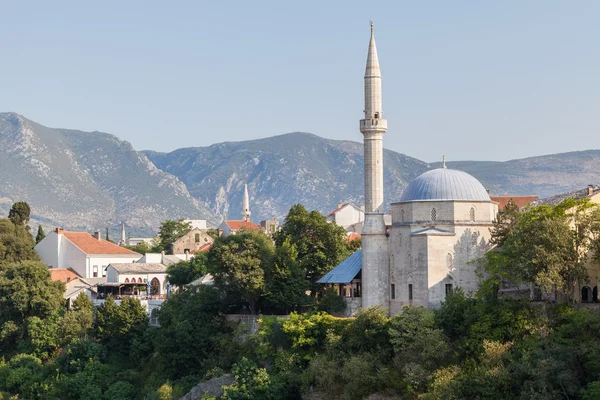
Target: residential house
x=86, y=254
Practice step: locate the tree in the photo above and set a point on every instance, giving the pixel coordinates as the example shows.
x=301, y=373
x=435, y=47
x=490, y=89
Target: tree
x=192, y=338
x=285, y=286
x=170, y=231
x=16, y=244
x=184, y=272
x=19, y=213
x=28, y=299
x=238, y=264
x=505, y=223
x=320, y=245
x=40, y=235
x=118, y=325
x=78, y=321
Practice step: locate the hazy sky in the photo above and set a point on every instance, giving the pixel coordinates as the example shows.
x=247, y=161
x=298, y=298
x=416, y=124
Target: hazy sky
x=471, y=79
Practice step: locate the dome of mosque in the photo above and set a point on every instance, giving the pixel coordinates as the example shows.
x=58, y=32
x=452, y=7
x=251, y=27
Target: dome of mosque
x=445, y=184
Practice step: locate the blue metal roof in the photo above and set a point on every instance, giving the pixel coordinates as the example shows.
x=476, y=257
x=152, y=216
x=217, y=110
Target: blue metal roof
x=345, y=271
x=445, y=184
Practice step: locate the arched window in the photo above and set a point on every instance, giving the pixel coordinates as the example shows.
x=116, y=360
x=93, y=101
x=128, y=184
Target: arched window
x=586, y=294
x=400, y=240
x=197, y=237
x=126, y=280
x=433, y=214
x=401, y=215
x=449, y=261
x=139, y=280
x=472, y=214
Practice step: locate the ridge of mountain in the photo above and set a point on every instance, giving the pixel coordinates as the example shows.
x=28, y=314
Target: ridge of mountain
x=86, y=180
x=90, y=180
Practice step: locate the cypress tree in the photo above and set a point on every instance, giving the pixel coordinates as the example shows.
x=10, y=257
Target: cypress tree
x=40, y=235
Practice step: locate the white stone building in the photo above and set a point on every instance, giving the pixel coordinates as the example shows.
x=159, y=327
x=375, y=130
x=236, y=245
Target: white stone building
x=86, y=254
x=439, y=226
x=346, y=215
x=134, y=278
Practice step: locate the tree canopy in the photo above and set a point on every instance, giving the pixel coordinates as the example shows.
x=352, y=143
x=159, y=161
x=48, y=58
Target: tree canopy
x=19, y=213
x=170, y=231
x=320, y=245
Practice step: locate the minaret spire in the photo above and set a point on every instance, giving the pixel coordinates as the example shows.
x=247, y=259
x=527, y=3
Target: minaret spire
x=375, y=257
x=123, y=238
x=246, y=205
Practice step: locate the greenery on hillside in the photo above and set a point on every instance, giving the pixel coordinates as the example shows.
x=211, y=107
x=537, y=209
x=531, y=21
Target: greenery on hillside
x=473, y=347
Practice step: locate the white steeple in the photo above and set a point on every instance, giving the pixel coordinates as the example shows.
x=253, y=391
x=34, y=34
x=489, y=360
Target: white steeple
x=375, y=257
x=123, y=241
x=246, y=205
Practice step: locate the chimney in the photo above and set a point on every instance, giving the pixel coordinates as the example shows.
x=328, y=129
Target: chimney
x=97, y=235
x=59, y=231
x=590, y=190
x=340, y=204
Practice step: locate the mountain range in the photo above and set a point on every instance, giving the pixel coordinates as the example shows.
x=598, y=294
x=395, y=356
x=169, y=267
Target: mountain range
x=91, y=180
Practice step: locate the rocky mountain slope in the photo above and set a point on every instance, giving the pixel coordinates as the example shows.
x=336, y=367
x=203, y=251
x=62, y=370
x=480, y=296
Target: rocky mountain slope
x=281, y=171
x=86, y=180
x=91, y=180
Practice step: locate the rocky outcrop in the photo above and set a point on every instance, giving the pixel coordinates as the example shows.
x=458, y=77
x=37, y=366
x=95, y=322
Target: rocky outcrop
x=212, y=387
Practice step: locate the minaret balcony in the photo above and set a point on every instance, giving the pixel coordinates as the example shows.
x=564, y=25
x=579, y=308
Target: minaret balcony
x=373, y=123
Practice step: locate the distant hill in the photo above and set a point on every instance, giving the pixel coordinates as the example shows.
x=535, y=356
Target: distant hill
x=86, y=180
x=281, y=171
x=544, y=175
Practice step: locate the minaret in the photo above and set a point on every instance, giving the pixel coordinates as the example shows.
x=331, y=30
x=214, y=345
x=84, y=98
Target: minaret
x=246, y=205
x=123, y=240
x=375, y=256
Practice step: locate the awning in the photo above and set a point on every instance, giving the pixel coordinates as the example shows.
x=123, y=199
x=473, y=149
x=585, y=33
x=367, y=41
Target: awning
x=345, y=271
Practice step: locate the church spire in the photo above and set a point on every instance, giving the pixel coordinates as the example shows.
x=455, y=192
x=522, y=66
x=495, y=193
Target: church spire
x=246, y=205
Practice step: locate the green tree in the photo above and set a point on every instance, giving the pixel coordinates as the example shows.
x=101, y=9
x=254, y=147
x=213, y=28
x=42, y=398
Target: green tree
x=19, y=213
x=16, y=244
x=40, y=235
x=78, y=322
x=320, y=245
x=28, y=300
x=185, y=272
x=285, y=285
x=505, y=223
x=192, y=338
x=118, y=325
x=238, y=264
x=170, y=231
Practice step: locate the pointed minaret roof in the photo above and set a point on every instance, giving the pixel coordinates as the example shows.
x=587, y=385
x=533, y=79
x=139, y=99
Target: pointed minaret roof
x=246, y=204
x=444, y=161
x=372, y=69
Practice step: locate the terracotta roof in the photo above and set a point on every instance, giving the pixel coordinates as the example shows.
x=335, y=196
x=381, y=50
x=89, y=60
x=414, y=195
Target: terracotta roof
x=236, y=225
x=62, y=274
x=90, y=245
x=344, y=206
x=520, y=201
x=204, y=247
x=352, y=236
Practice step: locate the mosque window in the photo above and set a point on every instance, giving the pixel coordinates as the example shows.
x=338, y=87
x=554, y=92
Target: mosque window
x=449, y=261
x=472, y=214
x=376, y=115
x=401, y=215
x=393, y=290
x=400, y=240
x=197, y=237
x=433, y=214
x=410, y=291
x=448, y=288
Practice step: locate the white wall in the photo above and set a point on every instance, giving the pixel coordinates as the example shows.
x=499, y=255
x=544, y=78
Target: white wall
x=196, y=223
x=347, y=216
x=102, y=262
x=56, y=251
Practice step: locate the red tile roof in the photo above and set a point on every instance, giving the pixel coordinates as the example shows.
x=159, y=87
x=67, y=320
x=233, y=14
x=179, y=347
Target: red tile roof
x=352, y=236
x=237, y=225
x=337, y=209
x=520, y=201
x=204, y=247
x=62, y=274
x=90, y=245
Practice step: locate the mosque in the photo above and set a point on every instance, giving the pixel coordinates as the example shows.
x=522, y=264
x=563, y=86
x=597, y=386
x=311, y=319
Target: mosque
x=440, y=225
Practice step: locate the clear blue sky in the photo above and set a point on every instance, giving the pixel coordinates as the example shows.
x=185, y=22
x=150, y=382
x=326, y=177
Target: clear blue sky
x=471, y=79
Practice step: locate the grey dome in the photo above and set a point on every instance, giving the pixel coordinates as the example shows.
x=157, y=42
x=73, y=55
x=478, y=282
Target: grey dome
x=445, y=184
